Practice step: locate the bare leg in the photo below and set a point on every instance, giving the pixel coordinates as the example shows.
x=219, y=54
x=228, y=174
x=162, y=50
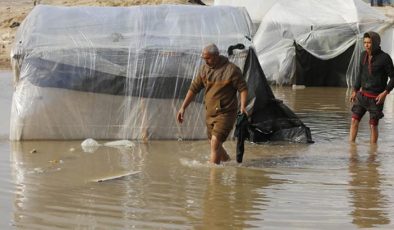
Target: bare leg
x=353, y=153
x=374, y=134
x=215, y=150
x=353, y=130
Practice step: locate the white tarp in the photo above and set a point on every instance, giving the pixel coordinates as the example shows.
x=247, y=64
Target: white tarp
x=256, y=8
x=113, y=72
x=387, y=42
x=324, y=28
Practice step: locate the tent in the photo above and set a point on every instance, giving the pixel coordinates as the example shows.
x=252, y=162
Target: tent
x=256, y=8
x=315, y=42
x=387, y=42
x=122, y=73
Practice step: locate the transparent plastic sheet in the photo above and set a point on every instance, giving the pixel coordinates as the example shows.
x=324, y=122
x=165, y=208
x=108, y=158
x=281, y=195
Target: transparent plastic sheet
x=256, y=8
x=116, y=73
x=324, y=28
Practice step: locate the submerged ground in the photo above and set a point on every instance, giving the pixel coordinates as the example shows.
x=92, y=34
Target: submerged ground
x=330, y=184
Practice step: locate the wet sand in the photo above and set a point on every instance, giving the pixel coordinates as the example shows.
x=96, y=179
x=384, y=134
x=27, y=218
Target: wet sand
x=330, y=184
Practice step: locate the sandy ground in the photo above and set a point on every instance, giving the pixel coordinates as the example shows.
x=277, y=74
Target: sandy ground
x=12, y=13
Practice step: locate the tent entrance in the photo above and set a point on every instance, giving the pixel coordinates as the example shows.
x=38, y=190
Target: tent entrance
x=311, y=71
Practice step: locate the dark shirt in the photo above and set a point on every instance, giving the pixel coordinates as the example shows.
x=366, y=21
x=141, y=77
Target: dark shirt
x=373, y=76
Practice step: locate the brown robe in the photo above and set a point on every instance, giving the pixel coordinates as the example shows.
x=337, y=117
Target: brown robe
x=221, y=84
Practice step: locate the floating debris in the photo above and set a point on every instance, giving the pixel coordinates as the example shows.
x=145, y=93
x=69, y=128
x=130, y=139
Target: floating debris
x=120, y=143
x=56, y=161
x=117, y=176
x=90, y=145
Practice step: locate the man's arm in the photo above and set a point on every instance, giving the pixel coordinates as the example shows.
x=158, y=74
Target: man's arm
x=196, y=86
x=390, y=73
x=244, y=96
x=381, y=97
x=357, y=82
x=188, y=99
x=390, y=85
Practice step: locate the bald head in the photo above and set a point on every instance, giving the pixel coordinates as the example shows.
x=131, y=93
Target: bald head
x=210, y=54
x=211, y=49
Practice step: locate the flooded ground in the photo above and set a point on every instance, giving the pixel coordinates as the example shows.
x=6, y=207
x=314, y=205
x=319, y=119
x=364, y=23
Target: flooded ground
x=330, y=184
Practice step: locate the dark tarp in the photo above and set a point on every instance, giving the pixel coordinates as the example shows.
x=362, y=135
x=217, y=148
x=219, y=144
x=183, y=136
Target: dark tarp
x=271, y=120
x=160, y=82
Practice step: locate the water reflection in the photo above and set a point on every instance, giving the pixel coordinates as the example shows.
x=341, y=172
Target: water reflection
x=369, y=202
x=326, y=185
x=233, y=198
x=56, y=184
x=324, y=110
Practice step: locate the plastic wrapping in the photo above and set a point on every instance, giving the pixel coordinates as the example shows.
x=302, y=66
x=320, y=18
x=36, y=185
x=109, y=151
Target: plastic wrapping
x=122, y=73
x=324, y=28
x=116, y=73
x=270, y=119
x=256, y=8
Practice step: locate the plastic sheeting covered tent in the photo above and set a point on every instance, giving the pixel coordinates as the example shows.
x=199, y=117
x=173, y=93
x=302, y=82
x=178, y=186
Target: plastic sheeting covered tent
x=387, y=42
x=298, y=41
x=121, y=73
x=256, y=8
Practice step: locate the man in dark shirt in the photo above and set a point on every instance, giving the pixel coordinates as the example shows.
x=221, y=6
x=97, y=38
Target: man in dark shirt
x=371, y=87
x=221, y=80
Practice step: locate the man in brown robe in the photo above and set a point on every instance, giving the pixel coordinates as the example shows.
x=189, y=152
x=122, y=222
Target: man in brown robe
x=221, y=80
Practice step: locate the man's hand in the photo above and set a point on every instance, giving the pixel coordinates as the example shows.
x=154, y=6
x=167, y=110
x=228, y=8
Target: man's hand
x=381, y=97
x=353, y=96
x=244, y=97
x=243, y=110
x=180, y=114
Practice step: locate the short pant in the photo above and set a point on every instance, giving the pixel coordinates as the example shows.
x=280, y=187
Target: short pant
x=363, y=104
x=220, y=125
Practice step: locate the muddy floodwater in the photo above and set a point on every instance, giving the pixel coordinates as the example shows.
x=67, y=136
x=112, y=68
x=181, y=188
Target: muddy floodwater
x=330, y=184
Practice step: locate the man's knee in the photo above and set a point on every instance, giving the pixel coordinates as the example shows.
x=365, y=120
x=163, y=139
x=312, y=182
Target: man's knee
x=216, y=139
x=355, y=121
x=356, y=118
x=373, y=122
